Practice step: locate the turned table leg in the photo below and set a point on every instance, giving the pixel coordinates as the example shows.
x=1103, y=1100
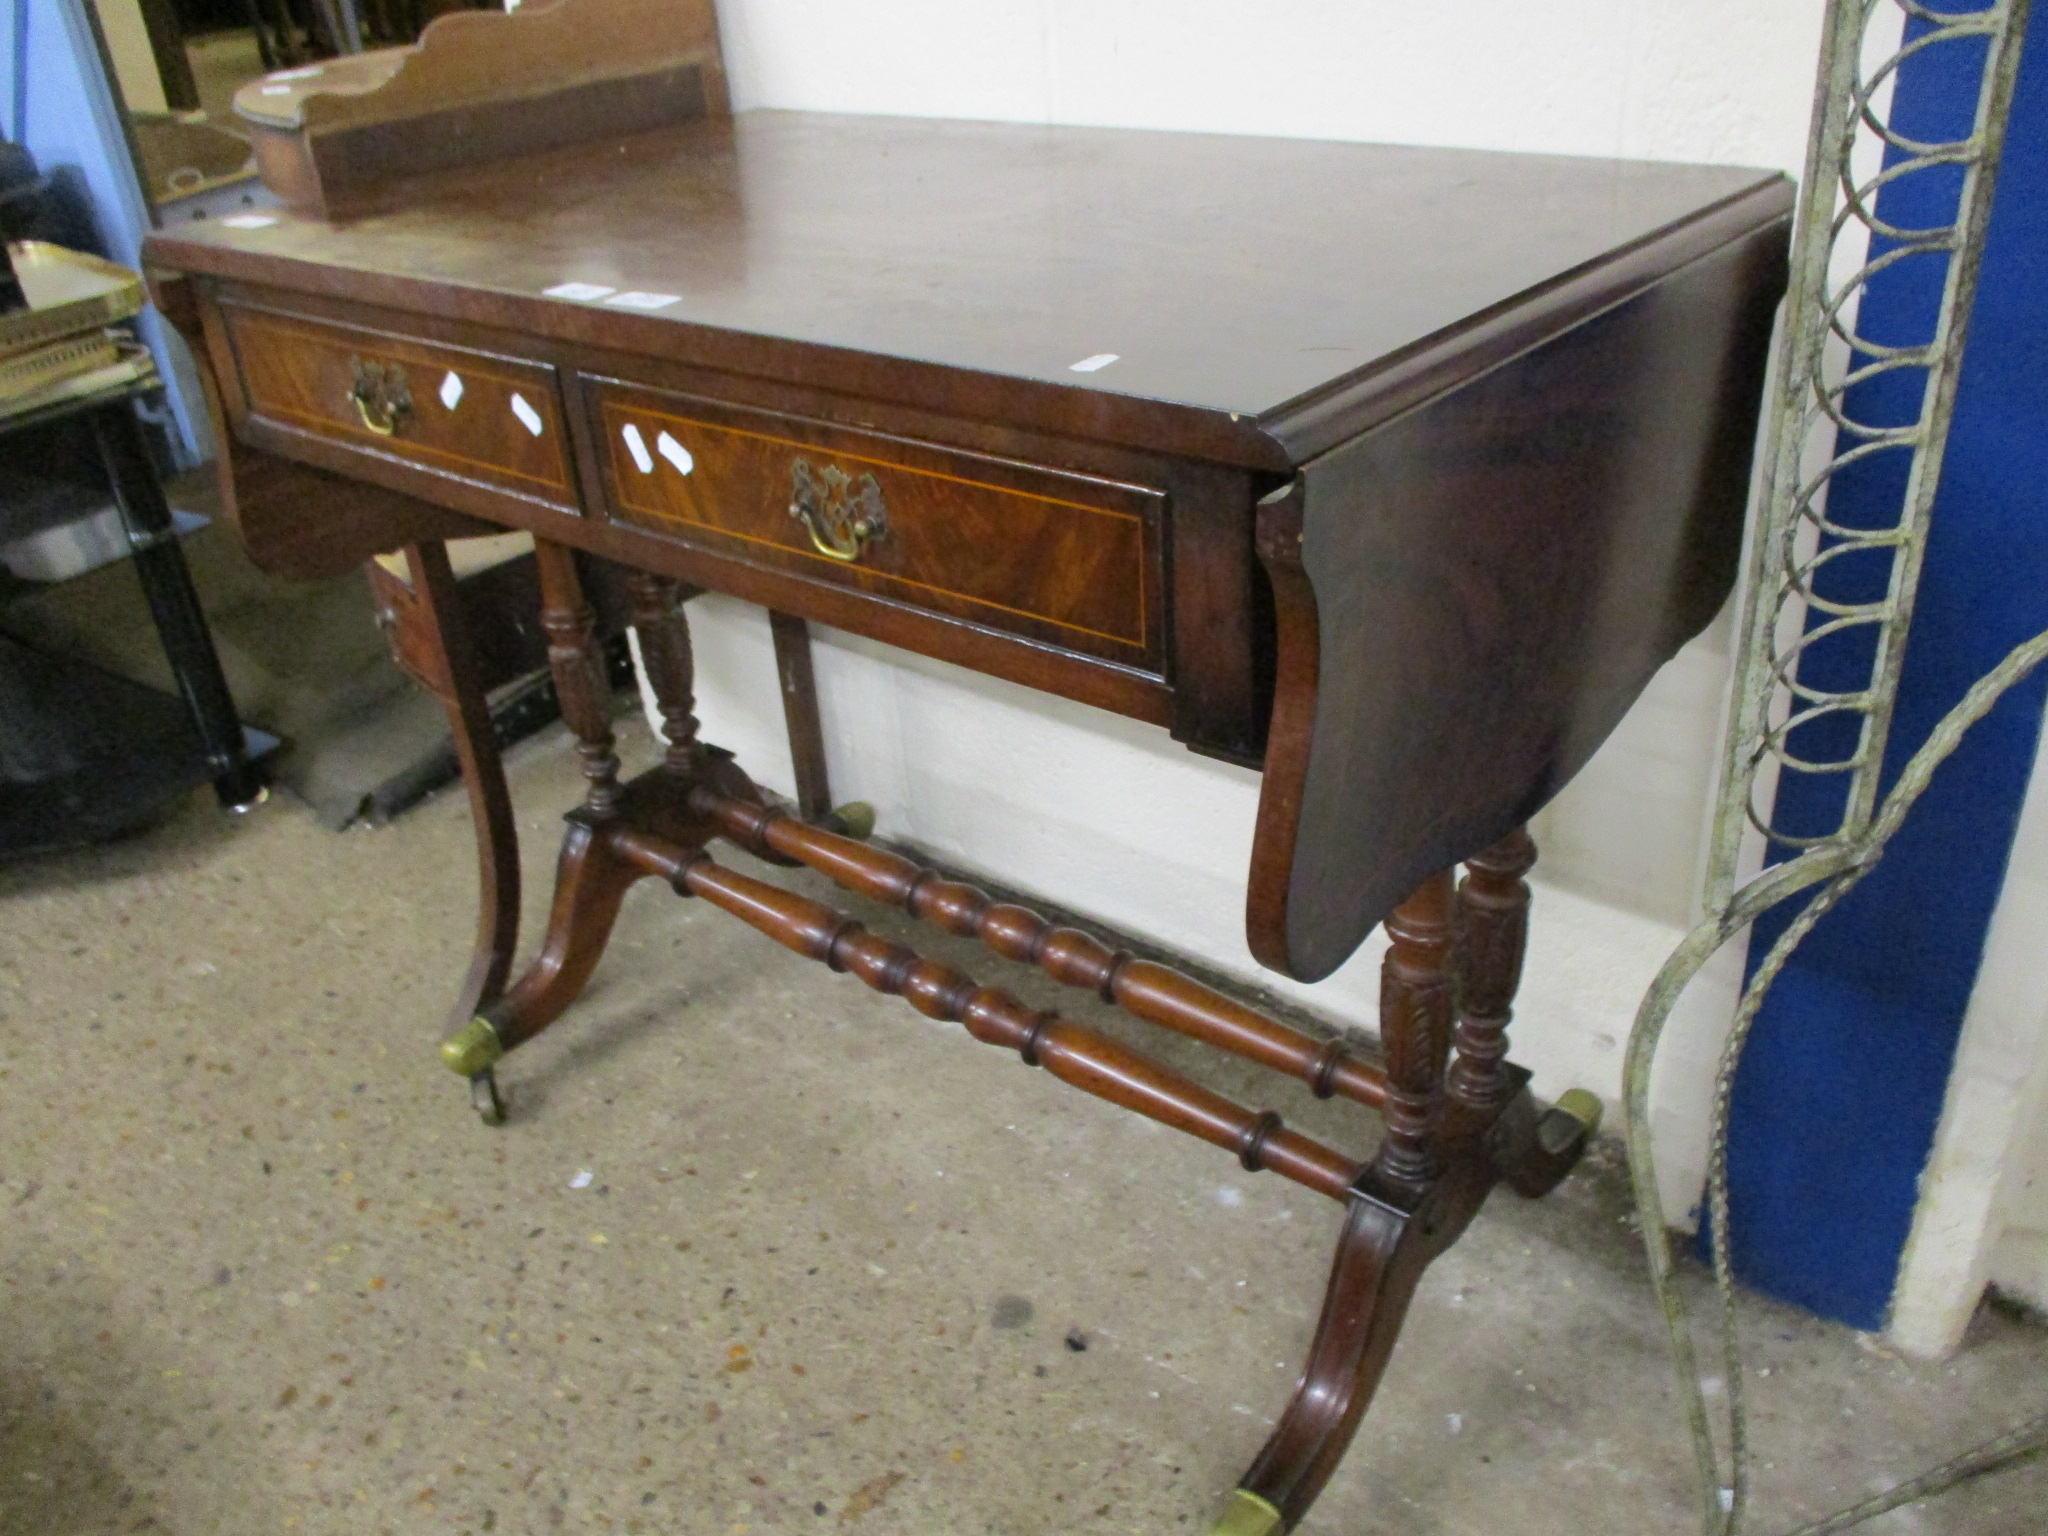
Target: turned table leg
x=671, y=669
x=1493, y=934
x=1533, y=1147
x=577, y=663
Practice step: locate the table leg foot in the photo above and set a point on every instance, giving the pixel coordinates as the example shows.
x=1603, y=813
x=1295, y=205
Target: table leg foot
x=1380, y=1258
x=590, y=884
x=1246, y=1514
x=1538, y=1147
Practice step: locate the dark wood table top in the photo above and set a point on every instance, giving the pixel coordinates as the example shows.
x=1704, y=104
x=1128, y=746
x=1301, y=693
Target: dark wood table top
x=1229, y=275
x=1499, y=408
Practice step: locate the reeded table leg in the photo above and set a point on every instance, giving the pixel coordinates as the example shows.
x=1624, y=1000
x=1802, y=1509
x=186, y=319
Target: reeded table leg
x=1415, y=1030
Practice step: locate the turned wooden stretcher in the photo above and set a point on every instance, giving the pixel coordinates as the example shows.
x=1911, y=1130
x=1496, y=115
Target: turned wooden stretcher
x=1394, y=473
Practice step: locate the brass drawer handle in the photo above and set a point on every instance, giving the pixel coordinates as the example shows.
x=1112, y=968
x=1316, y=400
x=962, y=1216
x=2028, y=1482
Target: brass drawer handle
x=380, y=395
x=840, y=522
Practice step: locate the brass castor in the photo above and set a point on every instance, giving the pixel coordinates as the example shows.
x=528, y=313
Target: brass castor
x=473, y=1048
x=473, y=1051
x=1572, y=1121
x=855, y=819
x=485, y=1099
x=1246, y=1514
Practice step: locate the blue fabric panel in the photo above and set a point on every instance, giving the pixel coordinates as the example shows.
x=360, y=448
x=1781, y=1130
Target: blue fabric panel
x=1837, y=1101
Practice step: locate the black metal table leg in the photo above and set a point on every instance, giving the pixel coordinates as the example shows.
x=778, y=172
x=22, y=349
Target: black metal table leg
x=173, y=603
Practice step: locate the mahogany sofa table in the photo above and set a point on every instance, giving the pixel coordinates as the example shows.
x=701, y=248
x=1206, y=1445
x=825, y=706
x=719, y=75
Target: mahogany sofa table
x=1393, y=472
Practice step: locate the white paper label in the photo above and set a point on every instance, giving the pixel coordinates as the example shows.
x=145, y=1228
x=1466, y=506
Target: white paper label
x=638, y=300
x=579, y=291
x=451, y=390
x=529, y=418
x=277, y=90
x=675, y=453
x=250, y=220
x=1090, y=364
x=636, y=445
x=310, y=72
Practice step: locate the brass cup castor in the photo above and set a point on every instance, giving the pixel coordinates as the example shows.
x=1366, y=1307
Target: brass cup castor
x=473, y=1048
x=855, y=819
x=1573, y=1120
x=473, y=1051
x=1246, y=1514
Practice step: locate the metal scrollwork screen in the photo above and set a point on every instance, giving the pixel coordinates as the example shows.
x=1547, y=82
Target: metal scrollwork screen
x=1829, y=599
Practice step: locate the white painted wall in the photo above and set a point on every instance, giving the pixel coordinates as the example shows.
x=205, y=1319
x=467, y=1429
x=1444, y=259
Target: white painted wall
x=2019, y=1255
x=1112, y=818
x=1983, y=1212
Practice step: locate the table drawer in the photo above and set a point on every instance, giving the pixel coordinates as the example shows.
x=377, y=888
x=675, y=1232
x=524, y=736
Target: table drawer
x=474, y=415
x=1062, y=558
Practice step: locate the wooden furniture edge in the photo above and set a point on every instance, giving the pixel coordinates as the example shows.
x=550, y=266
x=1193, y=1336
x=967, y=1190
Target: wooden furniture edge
x=1684, y=549
x=1131, y=421
x=1314, y=423
x=1278, y=441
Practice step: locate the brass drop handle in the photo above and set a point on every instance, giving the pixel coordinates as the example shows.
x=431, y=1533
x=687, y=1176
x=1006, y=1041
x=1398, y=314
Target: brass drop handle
x=380, y=395
x=841, y=515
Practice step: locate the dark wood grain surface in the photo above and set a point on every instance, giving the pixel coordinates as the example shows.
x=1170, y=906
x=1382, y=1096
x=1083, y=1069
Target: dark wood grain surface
x=1068, y=559
x=1472, y=595
x=1231, y=276
x=298, y=373
x=1515, y=395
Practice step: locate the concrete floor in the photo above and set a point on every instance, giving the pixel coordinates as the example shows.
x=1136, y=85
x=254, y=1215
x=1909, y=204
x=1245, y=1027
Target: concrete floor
x=760, y=1252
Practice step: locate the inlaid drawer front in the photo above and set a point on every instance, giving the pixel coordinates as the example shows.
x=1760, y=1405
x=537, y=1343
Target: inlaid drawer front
x=463, y=412
x=1060, y=557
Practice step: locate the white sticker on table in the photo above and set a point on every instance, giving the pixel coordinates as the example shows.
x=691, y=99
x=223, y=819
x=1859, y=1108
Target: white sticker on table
x=579, y=291
x=636, y=445
x=249, y=220
x=675, y=453
x=451, y=390
x=311, y=71
x=638, y=300
x=529, y=418
x=277, y=90
x=1091, y=364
